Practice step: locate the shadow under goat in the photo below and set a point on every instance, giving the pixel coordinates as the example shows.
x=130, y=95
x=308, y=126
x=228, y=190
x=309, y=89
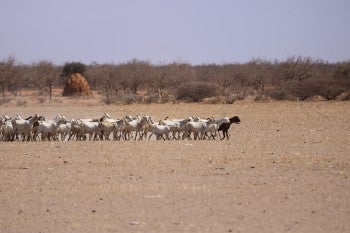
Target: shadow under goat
x=224, y=127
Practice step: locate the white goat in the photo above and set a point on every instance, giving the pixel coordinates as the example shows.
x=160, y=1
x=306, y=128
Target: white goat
x=89, y=127
x=159, y=131
x=176, y=126
x=64, y=129
x=137, y=125
x=106, y=128
x=23, y=127
x=48, y=129
x=75, y=131
x=6, y=130
x=119, y=129
x=197, y=127
x=213, y=127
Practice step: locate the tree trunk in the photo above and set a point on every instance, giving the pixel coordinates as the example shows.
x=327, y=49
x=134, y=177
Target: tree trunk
x=50, y=91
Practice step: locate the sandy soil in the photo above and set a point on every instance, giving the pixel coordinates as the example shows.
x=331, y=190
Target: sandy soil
x=285, y=168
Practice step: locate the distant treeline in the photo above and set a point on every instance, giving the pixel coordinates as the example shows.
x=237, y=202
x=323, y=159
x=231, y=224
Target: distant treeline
x=297, y=78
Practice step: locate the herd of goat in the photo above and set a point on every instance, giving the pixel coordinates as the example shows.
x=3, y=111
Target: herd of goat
x=36, y=128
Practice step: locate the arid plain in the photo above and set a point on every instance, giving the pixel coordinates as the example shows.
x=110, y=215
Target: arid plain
x=286, y=168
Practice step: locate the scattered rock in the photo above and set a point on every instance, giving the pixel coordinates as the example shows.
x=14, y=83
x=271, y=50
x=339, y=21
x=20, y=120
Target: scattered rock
x=220, y=168
x=153, y=196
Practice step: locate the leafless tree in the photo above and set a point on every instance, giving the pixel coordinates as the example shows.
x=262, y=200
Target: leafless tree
x=7, y=75
x=46, y=73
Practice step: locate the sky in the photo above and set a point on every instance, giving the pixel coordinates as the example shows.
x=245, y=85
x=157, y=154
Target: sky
x=166, y=31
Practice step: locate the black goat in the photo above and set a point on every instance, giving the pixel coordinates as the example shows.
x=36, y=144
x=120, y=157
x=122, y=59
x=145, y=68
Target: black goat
x=225, y=126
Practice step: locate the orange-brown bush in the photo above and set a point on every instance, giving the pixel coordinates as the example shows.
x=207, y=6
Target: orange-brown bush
x=76, y=84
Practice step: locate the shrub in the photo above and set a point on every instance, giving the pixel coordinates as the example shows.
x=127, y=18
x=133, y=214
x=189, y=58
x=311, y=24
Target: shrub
x=301, y=90
x=344, y=96
x=234, y=97
x=261, y=97
x=129, y=98
x=196, y=91
x=21, y=103
x=4, y=101
x=331, y=89
x=277, y=94
x=41, y=100
x=72, y=68
x=121, y=97
x=110, y=99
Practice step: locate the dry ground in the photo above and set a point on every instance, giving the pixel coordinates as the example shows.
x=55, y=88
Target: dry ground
x=286, y=168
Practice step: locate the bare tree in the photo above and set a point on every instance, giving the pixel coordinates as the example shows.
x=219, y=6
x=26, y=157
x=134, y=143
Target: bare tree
x=46, y=73
x=159, y=81
x=7, y=75
x=134, y=74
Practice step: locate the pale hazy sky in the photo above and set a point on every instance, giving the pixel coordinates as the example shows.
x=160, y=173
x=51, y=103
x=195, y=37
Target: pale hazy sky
x=163, y=31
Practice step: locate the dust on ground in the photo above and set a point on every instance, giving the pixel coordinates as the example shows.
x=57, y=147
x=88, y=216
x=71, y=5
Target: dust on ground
x=285, y=168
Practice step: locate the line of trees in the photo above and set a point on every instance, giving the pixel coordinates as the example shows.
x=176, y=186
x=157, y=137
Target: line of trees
x=297, y=78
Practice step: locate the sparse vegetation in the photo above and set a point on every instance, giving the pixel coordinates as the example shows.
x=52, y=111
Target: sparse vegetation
x=296, y=78
x=4, y=101
x=73, y=67
x=21, y=103
x=196, y=91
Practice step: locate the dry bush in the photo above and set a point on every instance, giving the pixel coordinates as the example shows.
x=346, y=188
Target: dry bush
x=296, y=78
x=307, y=89
x=231, y=98
x=330, y=89
x=196, y=91
x=41, y=99
x=121, y=97
x=21, y=103
x=277, y=94
x=70, y=68
x=344, y=96
x=261, y=97
x=110, y=99
x=4, y=101
x=302, y=90
x=214, y=100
